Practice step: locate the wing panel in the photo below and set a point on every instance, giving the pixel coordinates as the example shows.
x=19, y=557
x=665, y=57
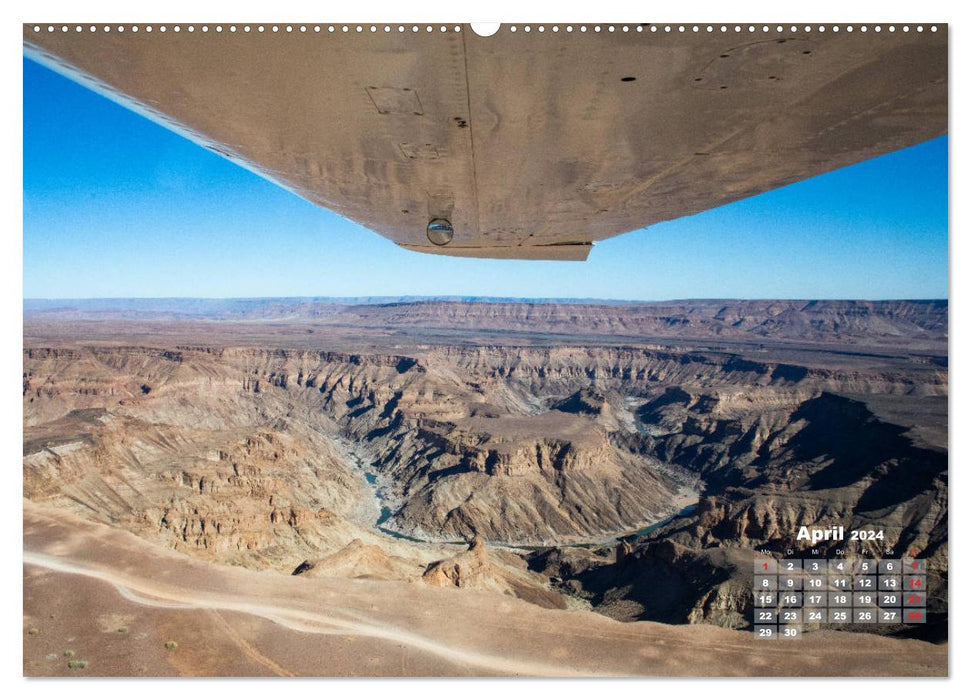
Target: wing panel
x=532, y=146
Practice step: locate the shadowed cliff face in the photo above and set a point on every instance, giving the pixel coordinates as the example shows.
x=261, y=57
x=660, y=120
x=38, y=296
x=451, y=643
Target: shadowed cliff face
x=771, y=464
x=797, y=441
x=266, y=458
x=827, y=459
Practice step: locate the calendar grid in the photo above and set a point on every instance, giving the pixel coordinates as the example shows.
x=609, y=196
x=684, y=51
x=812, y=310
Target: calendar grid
x=790, y=594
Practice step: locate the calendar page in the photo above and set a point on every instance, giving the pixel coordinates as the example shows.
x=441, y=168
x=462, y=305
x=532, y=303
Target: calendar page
x=537, y=349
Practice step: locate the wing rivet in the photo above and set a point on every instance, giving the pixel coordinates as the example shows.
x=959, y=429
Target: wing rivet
x=440, y=231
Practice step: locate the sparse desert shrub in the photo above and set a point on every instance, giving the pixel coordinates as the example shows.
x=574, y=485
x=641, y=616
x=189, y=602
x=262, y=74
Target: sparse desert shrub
x=170, y=645
x=33, y=631
x=75, y=665
x=69, y=653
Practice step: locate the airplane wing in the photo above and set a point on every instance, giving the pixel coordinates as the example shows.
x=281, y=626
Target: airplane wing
x=520, y=145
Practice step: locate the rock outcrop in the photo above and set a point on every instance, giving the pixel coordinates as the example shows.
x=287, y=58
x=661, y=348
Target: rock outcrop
x=360, y=560
x=481, y=569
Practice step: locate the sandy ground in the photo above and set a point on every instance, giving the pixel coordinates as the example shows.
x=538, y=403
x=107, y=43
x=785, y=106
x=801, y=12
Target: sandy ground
x=96, y=594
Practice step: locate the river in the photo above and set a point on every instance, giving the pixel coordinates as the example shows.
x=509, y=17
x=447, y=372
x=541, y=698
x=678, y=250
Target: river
x=385, y=513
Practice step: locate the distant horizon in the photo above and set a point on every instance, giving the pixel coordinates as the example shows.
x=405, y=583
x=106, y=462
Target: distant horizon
x=464, y=297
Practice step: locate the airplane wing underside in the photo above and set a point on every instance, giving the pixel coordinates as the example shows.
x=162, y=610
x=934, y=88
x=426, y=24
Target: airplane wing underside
x=530, y=145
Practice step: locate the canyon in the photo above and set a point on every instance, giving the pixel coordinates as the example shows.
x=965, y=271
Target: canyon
x=625, y=460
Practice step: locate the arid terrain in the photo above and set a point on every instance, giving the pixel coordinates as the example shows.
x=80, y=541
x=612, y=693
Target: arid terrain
x=468, y=487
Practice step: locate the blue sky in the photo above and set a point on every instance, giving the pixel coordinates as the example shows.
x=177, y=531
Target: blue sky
x=116, y=206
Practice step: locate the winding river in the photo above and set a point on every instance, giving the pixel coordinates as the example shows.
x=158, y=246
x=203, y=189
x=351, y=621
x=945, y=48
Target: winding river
x=386, y=513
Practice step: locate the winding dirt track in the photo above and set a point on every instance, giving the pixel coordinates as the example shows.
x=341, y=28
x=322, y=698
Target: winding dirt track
x=231, y=621
x=142, y=592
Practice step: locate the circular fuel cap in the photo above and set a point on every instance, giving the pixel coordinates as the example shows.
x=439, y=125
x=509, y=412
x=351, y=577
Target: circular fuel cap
x=440, y=231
